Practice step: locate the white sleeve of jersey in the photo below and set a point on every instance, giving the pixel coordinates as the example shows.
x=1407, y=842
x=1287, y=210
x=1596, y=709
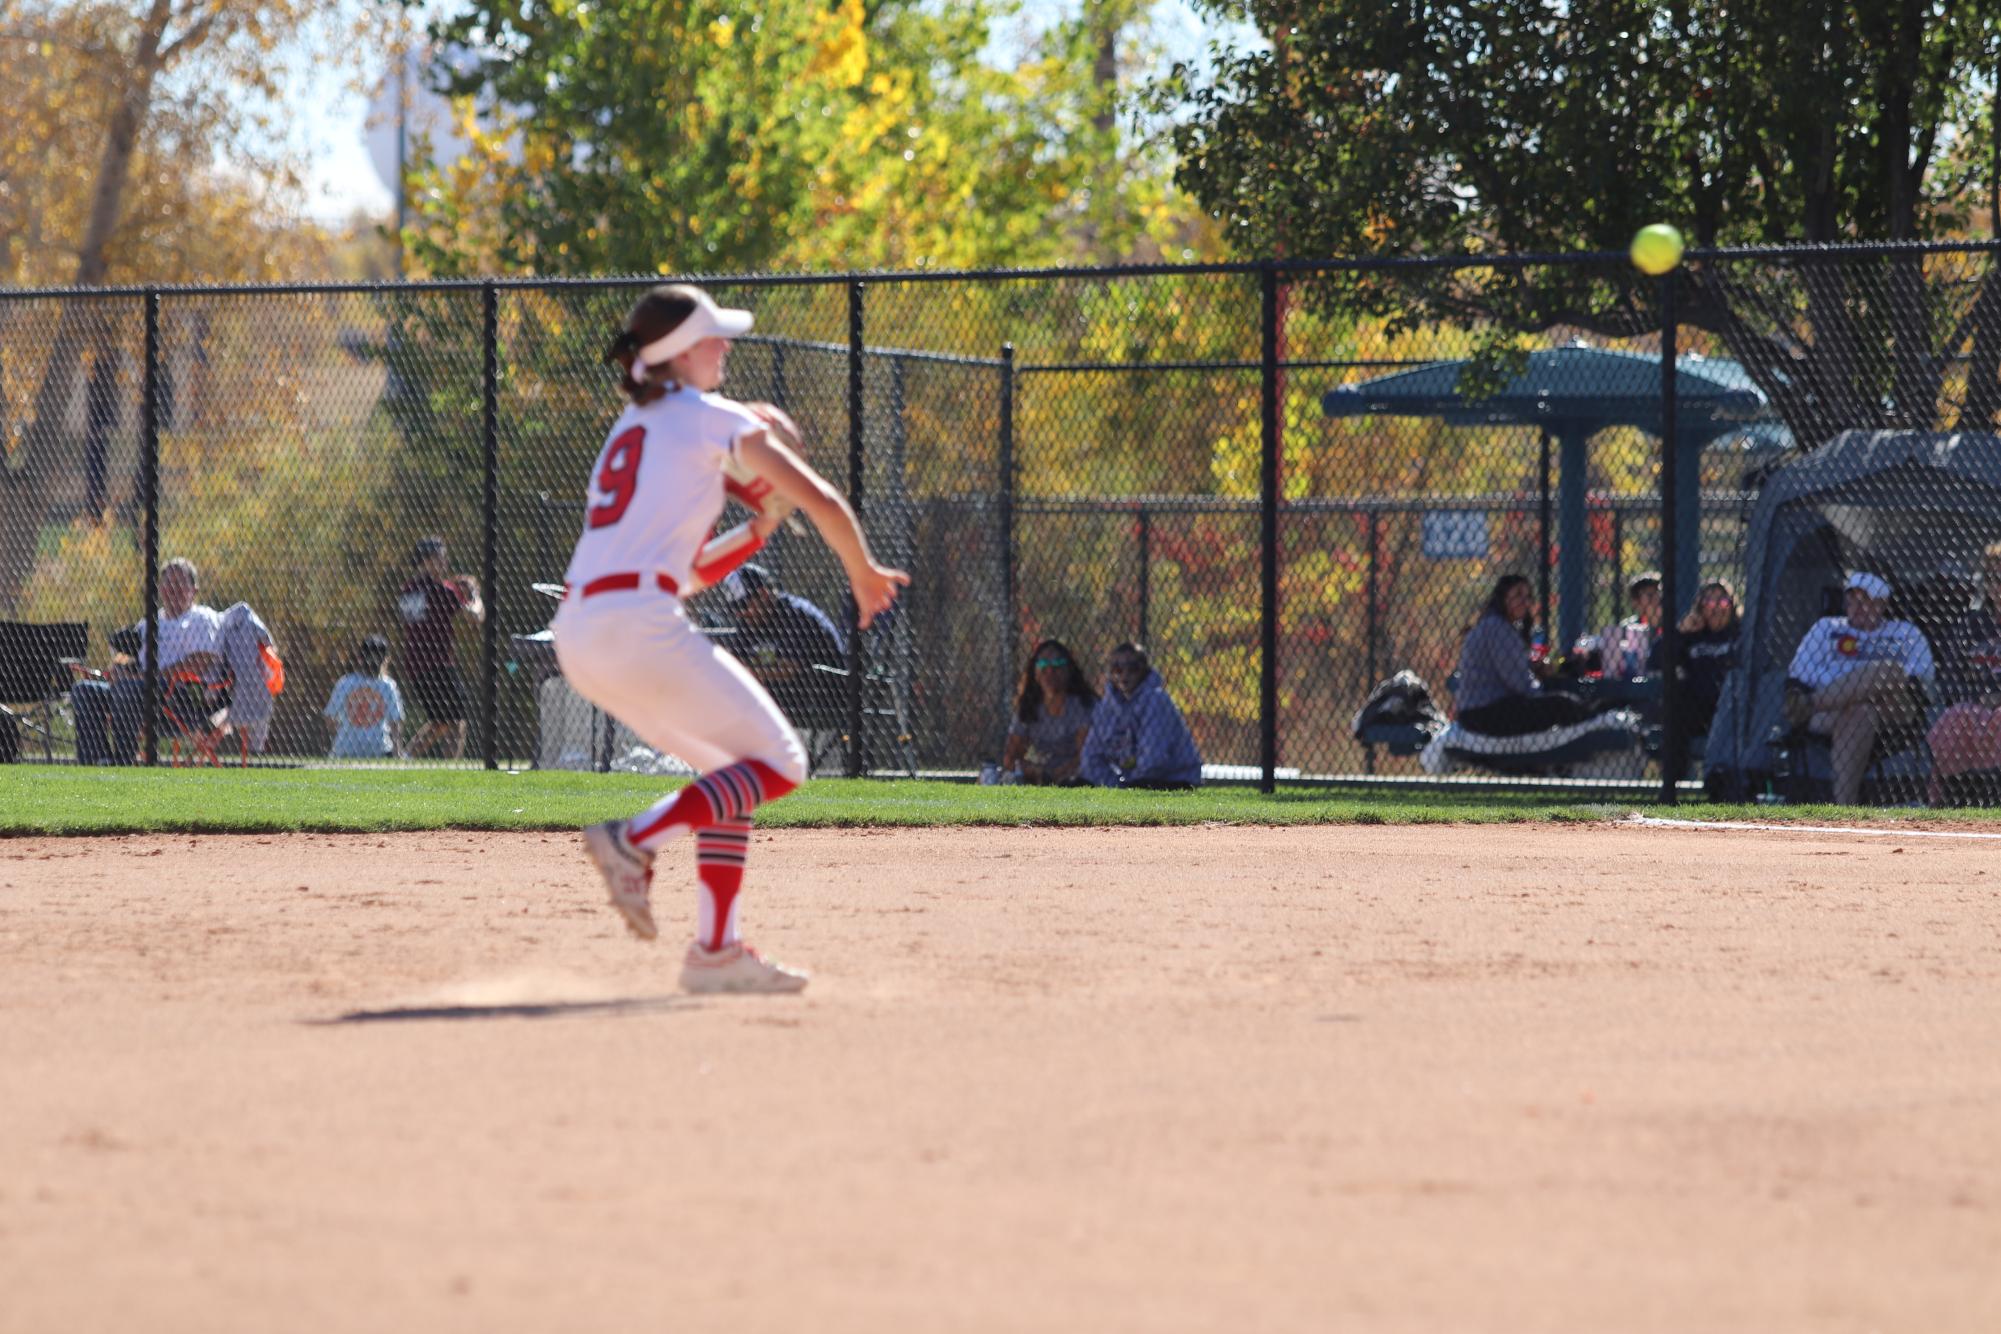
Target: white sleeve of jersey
x=724, y=552
x=729, y=423
x=733, y=422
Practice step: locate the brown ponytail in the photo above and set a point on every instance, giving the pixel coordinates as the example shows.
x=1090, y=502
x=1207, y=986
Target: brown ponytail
x=651, y=318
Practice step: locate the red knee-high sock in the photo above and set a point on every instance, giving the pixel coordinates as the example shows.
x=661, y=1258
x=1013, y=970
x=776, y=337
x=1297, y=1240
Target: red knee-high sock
x=729, y=793
x=720, y=852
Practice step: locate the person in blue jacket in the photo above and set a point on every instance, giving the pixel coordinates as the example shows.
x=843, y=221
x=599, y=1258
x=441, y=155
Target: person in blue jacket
x=1138, y=738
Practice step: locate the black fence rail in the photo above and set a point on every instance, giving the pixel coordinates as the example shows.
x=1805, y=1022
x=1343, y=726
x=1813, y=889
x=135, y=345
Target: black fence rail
x=1733, y=525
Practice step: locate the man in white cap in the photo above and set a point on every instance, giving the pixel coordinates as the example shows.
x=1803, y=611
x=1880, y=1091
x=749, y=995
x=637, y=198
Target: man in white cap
x=1855, y=675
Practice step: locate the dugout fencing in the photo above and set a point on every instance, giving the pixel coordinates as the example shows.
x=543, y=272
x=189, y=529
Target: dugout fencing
x=1289, y=480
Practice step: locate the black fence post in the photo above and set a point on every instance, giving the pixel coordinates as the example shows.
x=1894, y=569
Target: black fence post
x=490, y=560
x=1374, y=625
x=1268, y=483
x=543, y=556
x=1671, y=737
x=149, y=487
x=856, y=495
x=1005, y=481
x=1542, y=545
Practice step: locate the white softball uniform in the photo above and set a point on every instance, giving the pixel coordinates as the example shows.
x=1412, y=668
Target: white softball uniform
x=622, y=636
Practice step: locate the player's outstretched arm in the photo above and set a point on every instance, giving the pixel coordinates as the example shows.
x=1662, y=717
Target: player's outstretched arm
x=875, y=586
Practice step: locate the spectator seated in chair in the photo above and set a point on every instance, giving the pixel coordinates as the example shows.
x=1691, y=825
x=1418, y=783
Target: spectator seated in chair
x=201, y=652
x=190, y=645
x=1709, y=635
x=1633, y=646
x=1499, y=691
x=1857, y=678
x=784, y=640
x=1138, y=738
x=1510, y=717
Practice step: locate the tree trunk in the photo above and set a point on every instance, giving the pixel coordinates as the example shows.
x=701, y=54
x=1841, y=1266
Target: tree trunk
x=1916, y=366
x=1908, y=337
x=1983, y=369
x=1983, y=365
x=100, y=419
x=1106, y=21
x=1809, y=364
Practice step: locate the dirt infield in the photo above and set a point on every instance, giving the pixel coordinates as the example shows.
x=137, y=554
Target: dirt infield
x=1452, y=1079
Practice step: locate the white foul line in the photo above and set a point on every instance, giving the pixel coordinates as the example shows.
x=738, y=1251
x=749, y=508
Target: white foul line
x=1654, y=822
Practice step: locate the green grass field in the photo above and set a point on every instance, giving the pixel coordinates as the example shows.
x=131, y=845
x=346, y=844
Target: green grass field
x=36, y=799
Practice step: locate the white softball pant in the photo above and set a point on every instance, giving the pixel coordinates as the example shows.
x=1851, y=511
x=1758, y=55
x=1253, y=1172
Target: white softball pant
x=634, y=654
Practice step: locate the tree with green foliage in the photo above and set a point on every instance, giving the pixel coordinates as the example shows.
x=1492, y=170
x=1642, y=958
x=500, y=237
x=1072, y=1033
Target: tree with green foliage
x=1512, y=127
x=719, y=136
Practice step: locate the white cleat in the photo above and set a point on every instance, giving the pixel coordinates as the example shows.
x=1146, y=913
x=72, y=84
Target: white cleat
x=628, y=875
x=737, y=968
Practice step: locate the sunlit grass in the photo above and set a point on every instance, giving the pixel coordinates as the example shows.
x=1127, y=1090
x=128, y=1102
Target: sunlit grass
x=62, y=799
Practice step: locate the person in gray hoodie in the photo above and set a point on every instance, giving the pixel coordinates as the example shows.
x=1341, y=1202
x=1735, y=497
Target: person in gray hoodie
x=1138, y=738
x=1499, y=692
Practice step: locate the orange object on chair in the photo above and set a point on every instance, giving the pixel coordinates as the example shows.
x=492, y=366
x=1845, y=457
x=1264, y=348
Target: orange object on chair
x=274, y=669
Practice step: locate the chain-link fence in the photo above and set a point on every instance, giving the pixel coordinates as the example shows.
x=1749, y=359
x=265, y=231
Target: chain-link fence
x=1384, y=522
x=1867, y=666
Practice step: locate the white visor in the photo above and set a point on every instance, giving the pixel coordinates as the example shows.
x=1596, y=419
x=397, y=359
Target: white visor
x=706, y=320
x=1875, y=585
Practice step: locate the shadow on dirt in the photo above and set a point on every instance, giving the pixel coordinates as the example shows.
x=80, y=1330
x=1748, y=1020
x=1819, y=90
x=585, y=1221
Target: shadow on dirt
x=532, y=1010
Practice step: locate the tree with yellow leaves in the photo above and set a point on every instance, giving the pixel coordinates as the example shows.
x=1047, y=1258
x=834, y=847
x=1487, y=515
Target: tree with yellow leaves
x=107, y=174
x=717, y=135
x=120, y=113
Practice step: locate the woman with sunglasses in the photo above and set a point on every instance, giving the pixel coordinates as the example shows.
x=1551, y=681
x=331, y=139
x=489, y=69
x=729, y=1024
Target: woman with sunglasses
x=1052, y=717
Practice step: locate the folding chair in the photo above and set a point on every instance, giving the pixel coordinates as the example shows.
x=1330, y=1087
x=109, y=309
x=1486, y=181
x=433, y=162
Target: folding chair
x=35, y=675
x=882, y=707
x=1899, y=760
x=194, y=721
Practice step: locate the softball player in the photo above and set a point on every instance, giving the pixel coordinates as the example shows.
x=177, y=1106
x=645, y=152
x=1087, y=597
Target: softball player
x=626, y=644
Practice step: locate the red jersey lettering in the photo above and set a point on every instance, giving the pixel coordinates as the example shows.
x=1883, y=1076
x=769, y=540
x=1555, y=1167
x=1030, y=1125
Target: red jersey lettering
x=619, y=477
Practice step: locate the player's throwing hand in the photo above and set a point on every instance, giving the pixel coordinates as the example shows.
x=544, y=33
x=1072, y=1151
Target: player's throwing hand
x=875, y=591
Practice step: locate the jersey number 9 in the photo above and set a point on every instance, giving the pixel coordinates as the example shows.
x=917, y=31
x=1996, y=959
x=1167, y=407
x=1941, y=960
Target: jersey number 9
x=618, y=478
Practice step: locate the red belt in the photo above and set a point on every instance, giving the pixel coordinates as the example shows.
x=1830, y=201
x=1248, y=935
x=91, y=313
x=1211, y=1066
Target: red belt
x=622, y=583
